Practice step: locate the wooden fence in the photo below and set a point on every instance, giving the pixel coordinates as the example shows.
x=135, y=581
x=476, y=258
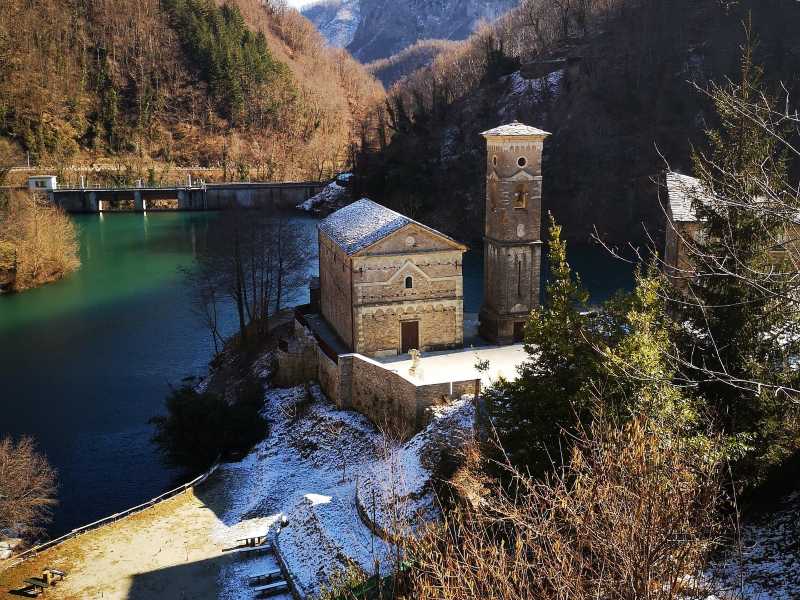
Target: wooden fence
x=33, y=552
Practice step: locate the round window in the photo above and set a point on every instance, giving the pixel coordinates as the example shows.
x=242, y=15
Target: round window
x=410, y=241
x=522, y=161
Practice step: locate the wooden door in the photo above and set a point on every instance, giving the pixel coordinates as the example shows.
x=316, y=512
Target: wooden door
x=519, y=331
x=409, y=336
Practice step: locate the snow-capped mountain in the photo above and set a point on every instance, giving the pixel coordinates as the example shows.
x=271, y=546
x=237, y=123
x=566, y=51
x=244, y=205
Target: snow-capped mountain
x=337, y=20
x=373, y=29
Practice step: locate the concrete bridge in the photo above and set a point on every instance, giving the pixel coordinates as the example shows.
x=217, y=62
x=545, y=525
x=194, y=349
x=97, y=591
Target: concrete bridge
x=205, y=196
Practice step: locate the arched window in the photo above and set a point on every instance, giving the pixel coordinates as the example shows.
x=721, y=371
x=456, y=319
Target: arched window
x=409, y=283
x=521, y=196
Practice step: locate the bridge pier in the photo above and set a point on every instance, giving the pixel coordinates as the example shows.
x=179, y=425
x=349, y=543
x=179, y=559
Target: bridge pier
x=91, y=203
x=184, y=200
x=139, y=204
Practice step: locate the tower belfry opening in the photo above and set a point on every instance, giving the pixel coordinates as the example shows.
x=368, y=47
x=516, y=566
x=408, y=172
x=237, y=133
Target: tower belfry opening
x=512, y=234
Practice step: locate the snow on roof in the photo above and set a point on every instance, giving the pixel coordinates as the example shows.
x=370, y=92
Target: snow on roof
x=514, y=129
x=363, y=223
x=682, y=190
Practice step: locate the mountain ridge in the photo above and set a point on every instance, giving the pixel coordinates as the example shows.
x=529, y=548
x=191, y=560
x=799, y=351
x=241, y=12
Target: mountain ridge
x=377, y=29
x=616, y=88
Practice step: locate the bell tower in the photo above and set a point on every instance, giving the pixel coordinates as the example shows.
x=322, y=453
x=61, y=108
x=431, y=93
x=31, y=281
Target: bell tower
x=512, y=236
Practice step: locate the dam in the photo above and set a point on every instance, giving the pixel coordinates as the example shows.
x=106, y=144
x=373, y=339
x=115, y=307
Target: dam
x=190, y=196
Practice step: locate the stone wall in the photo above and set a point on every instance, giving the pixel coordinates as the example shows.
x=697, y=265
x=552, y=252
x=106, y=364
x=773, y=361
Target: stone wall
x=390, y=400
x=336, y=291
x=297, y=361
x=328, y=375
x=441, y=326
x=354, y=381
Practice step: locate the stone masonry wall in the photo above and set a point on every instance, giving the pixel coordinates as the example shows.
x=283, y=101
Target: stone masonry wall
x=328, y=377
x=388, y=399
x=441, y=326
x=383, y=300
x=336, y=288
x=512, y=253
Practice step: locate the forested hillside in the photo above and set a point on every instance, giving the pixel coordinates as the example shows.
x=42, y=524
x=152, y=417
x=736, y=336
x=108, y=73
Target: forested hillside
x=613, y=80
x=242, y=84
x=421, y=54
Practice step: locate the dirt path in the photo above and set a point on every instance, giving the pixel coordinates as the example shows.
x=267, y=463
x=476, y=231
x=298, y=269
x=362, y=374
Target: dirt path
x=164, y=552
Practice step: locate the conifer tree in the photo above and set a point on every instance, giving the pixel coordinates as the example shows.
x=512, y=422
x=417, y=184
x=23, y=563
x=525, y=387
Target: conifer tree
x=551, y=392
x=639, y=375
x=741, y=311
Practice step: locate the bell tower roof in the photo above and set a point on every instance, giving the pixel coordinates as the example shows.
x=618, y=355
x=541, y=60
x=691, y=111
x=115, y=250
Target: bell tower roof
x=515, y=129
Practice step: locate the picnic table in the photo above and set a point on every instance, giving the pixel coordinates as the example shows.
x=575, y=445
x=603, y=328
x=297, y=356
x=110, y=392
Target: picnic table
x=36, y=585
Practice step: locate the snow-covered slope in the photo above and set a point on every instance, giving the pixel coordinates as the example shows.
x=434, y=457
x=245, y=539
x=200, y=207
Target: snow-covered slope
x=373, y=29
x=301, y=484
x=337, y=20
x=768, y=567
x=396, y=494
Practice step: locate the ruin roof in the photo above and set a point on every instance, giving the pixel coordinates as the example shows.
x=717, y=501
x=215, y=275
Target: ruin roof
x=515, y=129
x=363, y=223
x=682, y=190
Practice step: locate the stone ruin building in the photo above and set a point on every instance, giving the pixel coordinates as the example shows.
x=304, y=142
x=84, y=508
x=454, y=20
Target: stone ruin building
x=684, y=194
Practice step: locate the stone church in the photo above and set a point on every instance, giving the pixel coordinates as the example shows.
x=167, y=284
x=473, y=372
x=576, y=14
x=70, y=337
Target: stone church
x=389, y=284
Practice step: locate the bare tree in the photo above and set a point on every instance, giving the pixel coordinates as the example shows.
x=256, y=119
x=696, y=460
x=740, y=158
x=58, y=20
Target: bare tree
x=27, y=489
x=254, y=259
x=631, y=516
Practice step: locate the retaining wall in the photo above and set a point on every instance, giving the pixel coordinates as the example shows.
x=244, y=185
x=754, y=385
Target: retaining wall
x=354, y=381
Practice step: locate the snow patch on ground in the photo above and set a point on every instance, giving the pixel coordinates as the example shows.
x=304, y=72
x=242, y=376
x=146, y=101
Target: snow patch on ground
x=460, y=365
x=397, y=493
x=305, y=472
x=332, y=196
x=523, y=92
x=535, y=88
x=769, y=565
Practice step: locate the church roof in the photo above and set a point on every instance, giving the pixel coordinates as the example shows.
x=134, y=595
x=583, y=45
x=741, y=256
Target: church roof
x=514, y=129
x=682, y=190
x=364, y=223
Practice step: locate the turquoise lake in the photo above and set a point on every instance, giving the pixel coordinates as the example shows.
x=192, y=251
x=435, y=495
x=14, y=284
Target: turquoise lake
x=86, y=362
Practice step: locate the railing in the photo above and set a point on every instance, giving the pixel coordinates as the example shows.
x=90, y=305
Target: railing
x=184, y=185
x=32, y=552
x=144, y=187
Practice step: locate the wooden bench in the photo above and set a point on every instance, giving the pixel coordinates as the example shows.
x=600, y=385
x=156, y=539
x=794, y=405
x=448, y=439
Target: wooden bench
x=271, y=589
x=266, y=548
x=253, y=541
x=268, y=577
x=51, y=575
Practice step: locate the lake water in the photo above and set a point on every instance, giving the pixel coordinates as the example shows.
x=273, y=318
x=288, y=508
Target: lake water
x=86, y=362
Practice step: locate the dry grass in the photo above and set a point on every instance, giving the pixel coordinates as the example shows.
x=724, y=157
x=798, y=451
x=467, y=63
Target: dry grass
x=630, y=517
